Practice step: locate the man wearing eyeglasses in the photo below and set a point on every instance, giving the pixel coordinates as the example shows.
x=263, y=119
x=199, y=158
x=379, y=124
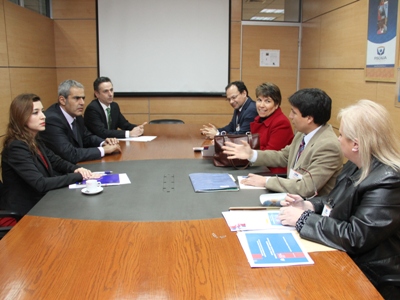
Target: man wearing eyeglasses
x=313, y=159
x=244, y=112
x=66, y=133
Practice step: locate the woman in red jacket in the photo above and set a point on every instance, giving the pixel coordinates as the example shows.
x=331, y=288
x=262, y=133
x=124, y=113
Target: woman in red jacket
x=271, y=124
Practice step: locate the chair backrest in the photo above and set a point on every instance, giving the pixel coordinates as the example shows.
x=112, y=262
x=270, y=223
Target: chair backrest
x=166, y=121
x=6, y=217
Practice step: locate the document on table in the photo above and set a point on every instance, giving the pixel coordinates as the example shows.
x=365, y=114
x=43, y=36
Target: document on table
x=143, y=138
x=248, y=187
x=254, y=220
x=212, y=182
x=273, y=249
x=106, y=180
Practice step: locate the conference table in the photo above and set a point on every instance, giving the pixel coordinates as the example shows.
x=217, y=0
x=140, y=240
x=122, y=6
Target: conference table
x=155, y=238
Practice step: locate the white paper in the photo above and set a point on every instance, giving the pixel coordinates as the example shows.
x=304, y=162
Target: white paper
x=248, y=187
x=269, y=58
x=143, y=138
x=123, y=179
x=254, y=220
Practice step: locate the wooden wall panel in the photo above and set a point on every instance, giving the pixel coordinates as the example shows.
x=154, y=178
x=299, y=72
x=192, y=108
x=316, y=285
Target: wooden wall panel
x=5, y=99
x=196, y=106
x=217, y=120
x=86, y=76
x=236, y=10
x=3, y=43
x=311, y=44
x=137, y=118
x=270, y=37
x=74, y=9
x=75, y=43
x=343, y=43
x=30, y=37
x=343, y=86
x=134, y=105
x=34, y=80
x=235, y=45
x=235, y=75
x=314, y=8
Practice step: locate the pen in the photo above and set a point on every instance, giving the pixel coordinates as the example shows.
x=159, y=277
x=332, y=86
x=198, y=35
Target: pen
x=103, y=172
x=252, y=208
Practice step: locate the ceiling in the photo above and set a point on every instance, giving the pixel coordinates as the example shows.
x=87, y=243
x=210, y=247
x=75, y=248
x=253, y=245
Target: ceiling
x=252, y=8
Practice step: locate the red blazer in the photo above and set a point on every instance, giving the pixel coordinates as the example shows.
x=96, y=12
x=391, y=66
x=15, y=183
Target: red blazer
x=275, y=134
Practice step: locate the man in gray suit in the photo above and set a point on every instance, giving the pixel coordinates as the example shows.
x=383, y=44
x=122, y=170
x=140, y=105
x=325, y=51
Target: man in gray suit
x=313, y=159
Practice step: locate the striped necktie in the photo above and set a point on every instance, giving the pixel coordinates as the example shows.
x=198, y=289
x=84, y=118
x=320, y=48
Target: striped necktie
x=108, y=117
x=301, y=148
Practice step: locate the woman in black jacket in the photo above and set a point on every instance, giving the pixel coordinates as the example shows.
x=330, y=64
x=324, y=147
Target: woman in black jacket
x=361, y=215
x=28, y=167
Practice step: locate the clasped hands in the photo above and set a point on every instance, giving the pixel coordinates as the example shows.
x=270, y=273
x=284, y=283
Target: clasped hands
x=111, y=145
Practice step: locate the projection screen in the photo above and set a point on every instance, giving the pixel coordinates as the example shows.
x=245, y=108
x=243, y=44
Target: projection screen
x=155, y=47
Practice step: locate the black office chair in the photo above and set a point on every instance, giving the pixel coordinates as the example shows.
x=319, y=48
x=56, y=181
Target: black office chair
x=7, y=214
x=166, y=121
x=389, y=282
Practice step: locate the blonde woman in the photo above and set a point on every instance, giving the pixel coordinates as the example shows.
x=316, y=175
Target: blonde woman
x=361, y=215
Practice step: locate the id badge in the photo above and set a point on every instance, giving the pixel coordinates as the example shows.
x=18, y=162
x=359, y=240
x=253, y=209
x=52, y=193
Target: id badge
x=294, y=174
x=326, y=211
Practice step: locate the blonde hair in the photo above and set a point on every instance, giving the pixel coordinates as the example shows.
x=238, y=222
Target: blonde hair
x=370, y=125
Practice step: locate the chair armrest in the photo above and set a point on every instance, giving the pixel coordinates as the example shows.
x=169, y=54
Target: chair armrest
x=389, y=280
x=11, y=214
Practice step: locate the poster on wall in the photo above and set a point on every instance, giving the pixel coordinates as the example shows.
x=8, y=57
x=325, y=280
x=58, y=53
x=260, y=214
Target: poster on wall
x=382, y=41
x=269, y=58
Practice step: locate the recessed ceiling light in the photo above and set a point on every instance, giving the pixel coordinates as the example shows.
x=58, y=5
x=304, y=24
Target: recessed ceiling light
x=262, y=18
x=273, y=11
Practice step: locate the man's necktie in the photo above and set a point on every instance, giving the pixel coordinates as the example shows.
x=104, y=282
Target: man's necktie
x=108, y=117
x=301, y=148
x=74, y=129
x=237, y=120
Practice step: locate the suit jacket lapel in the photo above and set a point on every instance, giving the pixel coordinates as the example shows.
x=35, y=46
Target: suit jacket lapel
x=103, y=113
x=309, y=145
x=79, y=126
x=67, y=125
x=49, y=170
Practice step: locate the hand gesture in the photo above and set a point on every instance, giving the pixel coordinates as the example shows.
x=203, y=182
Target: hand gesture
x=138, y=130
x=209, y=131
x=242, y=151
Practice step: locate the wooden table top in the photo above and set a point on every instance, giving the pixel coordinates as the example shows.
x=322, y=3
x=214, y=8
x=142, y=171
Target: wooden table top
x=174, y=141
x=53, y=258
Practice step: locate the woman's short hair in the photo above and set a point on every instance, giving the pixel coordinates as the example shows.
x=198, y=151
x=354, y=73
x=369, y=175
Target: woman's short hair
x=269, y=89
x=369, y=124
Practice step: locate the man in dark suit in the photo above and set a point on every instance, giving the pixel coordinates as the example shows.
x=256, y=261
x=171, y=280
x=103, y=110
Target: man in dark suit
x=66, y=133
x=244, y=113
x=103, y=116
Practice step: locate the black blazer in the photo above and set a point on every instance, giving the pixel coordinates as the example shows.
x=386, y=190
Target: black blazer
x=59, y=137
x=247, y=115
x=26, y=179
x=96, y=120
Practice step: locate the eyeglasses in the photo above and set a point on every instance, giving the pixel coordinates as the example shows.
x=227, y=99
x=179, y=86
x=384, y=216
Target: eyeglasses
x=313, y=183
x=233, y=98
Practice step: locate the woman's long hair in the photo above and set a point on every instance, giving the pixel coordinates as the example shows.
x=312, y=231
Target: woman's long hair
x=370, y=124
x=21, y=109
